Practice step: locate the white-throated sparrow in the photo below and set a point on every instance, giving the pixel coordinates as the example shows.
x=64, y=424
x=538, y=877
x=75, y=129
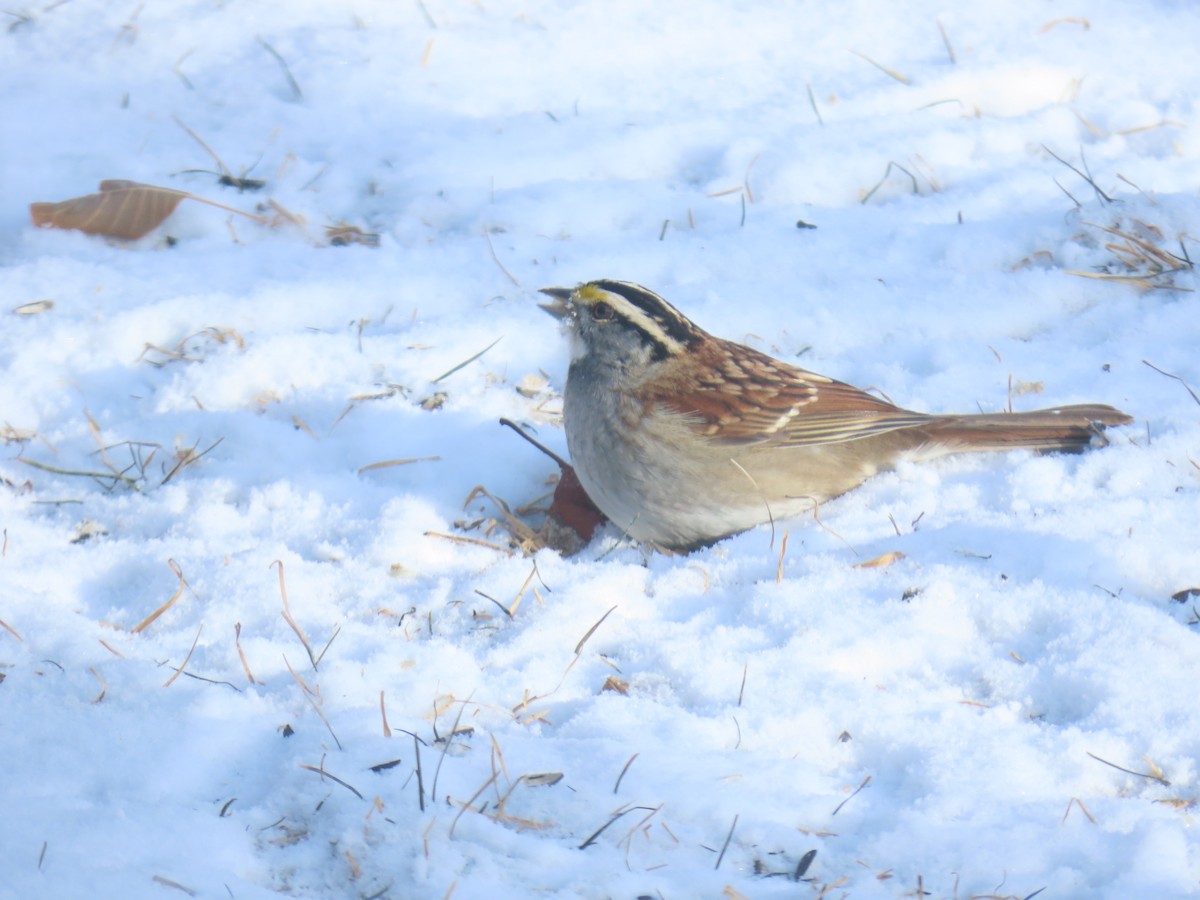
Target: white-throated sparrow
x=682, y=438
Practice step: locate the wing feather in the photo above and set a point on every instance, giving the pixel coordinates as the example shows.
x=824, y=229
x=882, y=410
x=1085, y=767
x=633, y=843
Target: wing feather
x=748, y=397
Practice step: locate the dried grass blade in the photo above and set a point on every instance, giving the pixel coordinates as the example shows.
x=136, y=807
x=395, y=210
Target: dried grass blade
x=583, y=640
x=389, y=463
x=446, y=746
x=324, y=774
x=103, y=684
x=496, y=259
x=13, y=631
x=167, y=882
x=174, y=597
x=474, y=797
x=468, y=360
x=287, y=616
x=310, y=696
x=387, y=731
x=55, y=470
x=183, y=665
x=237, y=640
x=320, y=656
x=903, y=79
x=459, y=539
x=189, y=457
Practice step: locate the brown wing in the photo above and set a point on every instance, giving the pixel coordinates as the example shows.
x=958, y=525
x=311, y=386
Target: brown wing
x=746, y=397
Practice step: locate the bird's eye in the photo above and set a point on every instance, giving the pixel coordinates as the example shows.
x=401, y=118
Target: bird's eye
x=601, y=312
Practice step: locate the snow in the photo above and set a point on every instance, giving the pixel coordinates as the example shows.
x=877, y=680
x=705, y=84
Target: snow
x=950, y=722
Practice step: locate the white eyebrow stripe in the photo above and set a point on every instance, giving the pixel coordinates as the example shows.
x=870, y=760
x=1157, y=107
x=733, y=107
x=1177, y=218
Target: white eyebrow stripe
x=590, y=295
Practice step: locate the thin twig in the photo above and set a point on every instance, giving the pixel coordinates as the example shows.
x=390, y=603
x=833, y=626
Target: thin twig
x=115, y=477
x=1149, y=775
x=1186, y=386
x=496, y=259
x=865, y=782
x=625, y=769
x=946, y=41
x=562, y=463
x=188, y=458
x=725, y=846
x=320, y=770
x=812, y=100
x=312, y=701
x=283, y=65
x=1084, y=175
x=195, y=137
x=599, y=831
x=446, y=747
x=886, y=172
x=420, y=778
x=1070, y=196
x=504, y=609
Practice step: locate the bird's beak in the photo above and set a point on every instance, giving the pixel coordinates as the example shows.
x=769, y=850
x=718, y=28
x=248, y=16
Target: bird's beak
x=560, y=308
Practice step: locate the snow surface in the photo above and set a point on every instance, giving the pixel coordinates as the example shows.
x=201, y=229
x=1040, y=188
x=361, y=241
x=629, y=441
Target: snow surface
x=974, y=690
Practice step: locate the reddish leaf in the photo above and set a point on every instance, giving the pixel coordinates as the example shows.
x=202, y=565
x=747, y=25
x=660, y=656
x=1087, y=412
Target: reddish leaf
x=573, y=507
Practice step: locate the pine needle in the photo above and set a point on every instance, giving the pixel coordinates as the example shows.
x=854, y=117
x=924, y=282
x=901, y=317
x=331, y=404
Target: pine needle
x=903, y=79
x=468, y=360
x=389, y=463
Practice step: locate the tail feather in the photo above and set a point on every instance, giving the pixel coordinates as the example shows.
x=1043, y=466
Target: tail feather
x=1069, y=428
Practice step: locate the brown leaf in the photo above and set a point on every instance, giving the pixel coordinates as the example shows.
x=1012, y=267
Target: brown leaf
x=123, y=209
x=613, y=683
x=1185, y=595
x=880, y=562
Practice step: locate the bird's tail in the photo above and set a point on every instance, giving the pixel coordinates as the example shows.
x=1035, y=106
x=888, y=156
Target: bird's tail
x=1069, y=428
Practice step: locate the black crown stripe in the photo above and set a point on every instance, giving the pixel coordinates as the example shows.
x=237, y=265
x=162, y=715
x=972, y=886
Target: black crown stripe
x=673, y=323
